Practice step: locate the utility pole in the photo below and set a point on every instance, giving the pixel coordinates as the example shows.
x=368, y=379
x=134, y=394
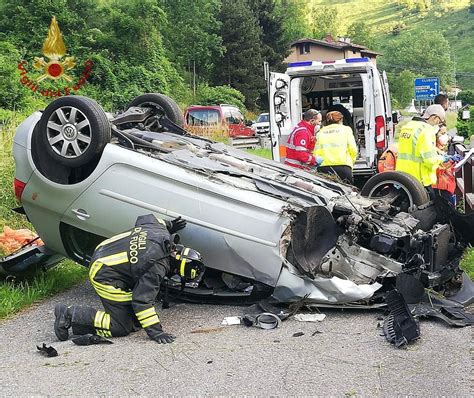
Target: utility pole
x=194, y=79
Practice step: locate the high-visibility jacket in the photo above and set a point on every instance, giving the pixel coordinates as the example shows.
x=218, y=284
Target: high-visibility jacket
x=336, y=145
x=300, y=146
x=129, y=268
x=417, y=153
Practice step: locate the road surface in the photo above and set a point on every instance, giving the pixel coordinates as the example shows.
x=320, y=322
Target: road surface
x=348, y=357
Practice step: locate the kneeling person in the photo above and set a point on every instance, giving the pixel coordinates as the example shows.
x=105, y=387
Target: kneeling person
x=126, y=272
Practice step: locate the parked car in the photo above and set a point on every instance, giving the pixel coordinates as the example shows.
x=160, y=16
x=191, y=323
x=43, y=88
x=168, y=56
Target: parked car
x=207, y=120
x=262, y=124
x=263, y=228
x=352, y=86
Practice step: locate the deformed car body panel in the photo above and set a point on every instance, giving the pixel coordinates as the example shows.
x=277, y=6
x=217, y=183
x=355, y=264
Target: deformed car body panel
x=243, y=212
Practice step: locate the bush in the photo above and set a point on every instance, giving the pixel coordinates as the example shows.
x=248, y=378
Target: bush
x=465, y=127
x=207, y=95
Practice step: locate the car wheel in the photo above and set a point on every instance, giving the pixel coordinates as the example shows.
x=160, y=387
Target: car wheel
x=74, y=130
x=162, y=104
x=400, y=189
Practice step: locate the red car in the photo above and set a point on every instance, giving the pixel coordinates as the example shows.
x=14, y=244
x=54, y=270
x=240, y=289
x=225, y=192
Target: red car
x=211, y=120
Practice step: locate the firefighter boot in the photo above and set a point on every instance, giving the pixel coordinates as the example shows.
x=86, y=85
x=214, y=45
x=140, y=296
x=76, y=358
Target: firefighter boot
x=62, y=322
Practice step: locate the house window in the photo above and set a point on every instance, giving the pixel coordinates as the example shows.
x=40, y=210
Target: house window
x=305, y=48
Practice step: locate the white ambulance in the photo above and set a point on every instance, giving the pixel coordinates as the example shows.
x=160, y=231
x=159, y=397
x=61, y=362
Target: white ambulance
x=353, y=86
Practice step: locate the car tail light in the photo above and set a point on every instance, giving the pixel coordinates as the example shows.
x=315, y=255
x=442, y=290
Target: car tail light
x=380, y=139
x=19, y=187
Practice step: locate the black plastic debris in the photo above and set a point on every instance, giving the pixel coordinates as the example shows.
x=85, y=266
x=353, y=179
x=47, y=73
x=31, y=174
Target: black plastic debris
x=400, y=327
x=90, y=339
x=298, y=334
x=450, y=314
x=47, y=351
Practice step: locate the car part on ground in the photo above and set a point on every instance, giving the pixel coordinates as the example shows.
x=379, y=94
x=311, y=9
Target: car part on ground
x=47, y=351
x=399, y=326
x=282, y=232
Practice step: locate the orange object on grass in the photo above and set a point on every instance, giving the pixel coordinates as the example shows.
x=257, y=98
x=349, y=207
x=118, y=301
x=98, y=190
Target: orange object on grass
x=11, y=239
x=446, y=180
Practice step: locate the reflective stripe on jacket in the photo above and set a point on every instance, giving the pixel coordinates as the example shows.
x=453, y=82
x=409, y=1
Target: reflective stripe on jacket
x=417, y=151
x=300, y=145
x=129, y=268
x=336, y=145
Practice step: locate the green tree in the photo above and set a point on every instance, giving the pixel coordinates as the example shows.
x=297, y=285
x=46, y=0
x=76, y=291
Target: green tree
x=122, y=39
x=425, y=55
x=12, y=94
x=191, y=33
x=361, y=33
x=241, y=65
x=274, y=45
x=324, y=20
x=402, y=88
x=294, y=16
x=467, y=97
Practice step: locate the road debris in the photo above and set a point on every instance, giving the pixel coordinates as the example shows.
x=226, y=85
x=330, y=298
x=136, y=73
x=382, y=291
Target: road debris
x=400, y=327
x=231, y=320
x=298, y=334
x=47, y=351
x=310, y=317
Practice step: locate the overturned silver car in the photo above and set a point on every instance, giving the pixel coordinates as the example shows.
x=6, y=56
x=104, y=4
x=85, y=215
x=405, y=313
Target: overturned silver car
x=262, y=228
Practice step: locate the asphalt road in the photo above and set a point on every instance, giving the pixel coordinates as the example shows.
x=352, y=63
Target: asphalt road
x=348, y=357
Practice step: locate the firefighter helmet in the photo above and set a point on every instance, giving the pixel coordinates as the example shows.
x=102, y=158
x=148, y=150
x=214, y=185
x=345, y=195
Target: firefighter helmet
x=189, y=263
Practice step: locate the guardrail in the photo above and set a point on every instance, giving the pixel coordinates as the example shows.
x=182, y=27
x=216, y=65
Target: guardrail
x=464, y=180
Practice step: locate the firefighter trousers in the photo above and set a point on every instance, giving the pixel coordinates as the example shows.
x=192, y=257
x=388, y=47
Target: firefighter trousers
x=118, y=319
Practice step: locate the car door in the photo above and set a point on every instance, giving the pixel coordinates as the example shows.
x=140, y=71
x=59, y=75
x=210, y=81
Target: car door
x=388, y=107
x=280, y=118
x=368, y=154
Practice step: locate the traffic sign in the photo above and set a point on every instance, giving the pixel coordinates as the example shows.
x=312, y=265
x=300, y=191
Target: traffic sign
x=426, y=88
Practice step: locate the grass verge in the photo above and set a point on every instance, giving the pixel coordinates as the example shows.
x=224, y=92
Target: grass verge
x=18, y=293
x=467, y=263
x=24, y=290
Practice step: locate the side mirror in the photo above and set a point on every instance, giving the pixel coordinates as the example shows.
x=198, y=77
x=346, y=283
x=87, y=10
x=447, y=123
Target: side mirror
x=457, y=139
x=248, y=123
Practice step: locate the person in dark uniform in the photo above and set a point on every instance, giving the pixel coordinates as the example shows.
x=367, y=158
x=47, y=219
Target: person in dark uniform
x=126, y=272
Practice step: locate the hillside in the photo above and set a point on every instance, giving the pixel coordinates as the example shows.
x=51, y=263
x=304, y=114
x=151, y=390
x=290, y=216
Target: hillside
x=453, y=20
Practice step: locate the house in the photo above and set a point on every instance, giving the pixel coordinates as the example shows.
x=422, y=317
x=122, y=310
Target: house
x=328, y=49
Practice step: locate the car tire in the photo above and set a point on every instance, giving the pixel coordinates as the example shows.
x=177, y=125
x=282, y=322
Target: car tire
x=409, y=185
x=167, y=106
x=74, y=130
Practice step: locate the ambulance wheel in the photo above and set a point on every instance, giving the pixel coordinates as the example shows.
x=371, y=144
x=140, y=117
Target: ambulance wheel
x=399, y=189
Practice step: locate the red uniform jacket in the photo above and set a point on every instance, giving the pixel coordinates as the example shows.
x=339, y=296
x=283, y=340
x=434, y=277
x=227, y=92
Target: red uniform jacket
x=300, y=146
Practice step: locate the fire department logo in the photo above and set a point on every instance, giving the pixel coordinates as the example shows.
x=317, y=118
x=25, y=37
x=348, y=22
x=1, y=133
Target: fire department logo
x=54, y=49
x=54, y=66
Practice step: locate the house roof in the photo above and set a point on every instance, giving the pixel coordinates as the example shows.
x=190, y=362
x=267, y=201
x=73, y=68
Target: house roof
x=337, y=44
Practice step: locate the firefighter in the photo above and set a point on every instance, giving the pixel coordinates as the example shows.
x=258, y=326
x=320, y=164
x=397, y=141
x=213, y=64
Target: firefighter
x=335, y=143
x=417, y=154
x=126, y=272
x=300, y=144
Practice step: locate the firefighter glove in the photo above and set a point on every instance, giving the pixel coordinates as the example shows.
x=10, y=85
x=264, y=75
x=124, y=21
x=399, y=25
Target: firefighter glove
x=176, y=225
x=163, y=338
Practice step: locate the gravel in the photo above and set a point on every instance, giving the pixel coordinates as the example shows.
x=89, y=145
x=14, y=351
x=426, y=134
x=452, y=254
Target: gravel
x=342, y=356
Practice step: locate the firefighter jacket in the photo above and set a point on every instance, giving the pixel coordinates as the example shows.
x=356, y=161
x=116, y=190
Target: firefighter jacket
x=336, y=145
x=300, y=146
x=417, y=153
x=128, y=268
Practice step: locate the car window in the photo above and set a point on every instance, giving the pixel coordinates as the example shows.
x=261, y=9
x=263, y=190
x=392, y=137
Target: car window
x=238, y=117
x=202, y=117
x=263, y=118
